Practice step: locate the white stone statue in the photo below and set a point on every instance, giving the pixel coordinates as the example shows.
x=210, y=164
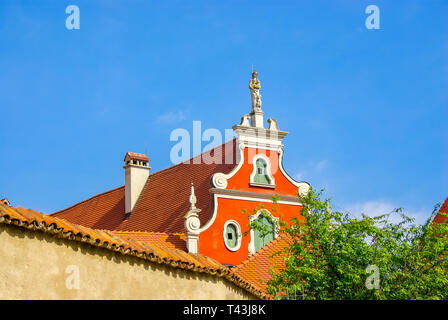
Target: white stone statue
x=254, y=86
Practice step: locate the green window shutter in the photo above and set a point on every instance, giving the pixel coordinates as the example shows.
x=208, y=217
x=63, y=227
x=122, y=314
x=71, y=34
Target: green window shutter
x=260, y=241
x=231, y=236
x=260, y=173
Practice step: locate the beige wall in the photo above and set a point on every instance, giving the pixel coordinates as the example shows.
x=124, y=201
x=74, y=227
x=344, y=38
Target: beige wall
x=33, y=265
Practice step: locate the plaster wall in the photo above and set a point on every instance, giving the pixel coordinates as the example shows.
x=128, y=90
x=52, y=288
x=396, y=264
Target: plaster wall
x=36, y=265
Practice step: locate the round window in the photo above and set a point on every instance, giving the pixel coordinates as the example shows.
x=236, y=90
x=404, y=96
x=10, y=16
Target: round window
x=232, y=235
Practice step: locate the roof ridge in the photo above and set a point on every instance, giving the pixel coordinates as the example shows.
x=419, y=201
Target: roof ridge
x=150, y=232
x=85, y=200
x=20, y=207
x=188, y=161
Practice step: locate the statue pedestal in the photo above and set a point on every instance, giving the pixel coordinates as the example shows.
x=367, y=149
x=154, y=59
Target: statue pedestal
x=256, y=119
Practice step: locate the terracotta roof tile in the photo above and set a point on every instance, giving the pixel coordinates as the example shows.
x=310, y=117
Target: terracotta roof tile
x=103, y=211
x=167, y=240
x=257, y=269
x=124, y=243
x=162, y=203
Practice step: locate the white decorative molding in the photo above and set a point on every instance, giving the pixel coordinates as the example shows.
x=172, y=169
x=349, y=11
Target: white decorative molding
x=255, y=196
x=219, y=180
x=268, y=171
x=214, y=214
x=245, y=120
x=192, y=223
x=272, y=124
x=256, y=199
x=261, y=147
x=239, y=235
x=302, y=187
x=251, y=247
x=261, y=138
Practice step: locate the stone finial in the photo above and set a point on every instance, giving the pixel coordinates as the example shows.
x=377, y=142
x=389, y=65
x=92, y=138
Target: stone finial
x=245, y=120
x=193, y=199
x=192, y=223
x=273, y=124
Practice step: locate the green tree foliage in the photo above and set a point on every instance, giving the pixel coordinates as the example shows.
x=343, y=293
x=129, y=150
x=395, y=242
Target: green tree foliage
x=330, y=255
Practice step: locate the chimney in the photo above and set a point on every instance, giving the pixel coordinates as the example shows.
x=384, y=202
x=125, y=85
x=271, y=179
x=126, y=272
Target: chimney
x=136, y=172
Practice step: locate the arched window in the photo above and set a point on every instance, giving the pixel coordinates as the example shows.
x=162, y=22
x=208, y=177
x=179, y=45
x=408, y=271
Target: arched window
x=261, y=174
x=263, y=237
x=269, y=230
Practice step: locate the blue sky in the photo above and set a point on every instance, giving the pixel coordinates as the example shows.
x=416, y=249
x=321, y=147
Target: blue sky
x=366, y=109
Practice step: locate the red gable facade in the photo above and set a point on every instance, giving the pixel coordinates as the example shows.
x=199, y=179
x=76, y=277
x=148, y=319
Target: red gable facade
x=197, y=204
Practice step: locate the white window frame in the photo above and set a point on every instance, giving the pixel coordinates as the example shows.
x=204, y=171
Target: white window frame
x=252, y=233
x=238, y=234
x=268, y=172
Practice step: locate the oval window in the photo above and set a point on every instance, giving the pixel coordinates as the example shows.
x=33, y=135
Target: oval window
x=231, y=236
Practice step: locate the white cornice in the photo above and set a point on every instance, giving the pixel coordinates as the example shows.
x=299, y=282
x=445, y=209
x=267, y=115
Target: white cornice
x=259, y=137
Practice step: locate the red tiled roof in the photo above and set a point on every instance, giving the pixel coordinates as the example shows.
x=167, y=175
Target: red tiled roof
x=123, y=243
x=257, y=269
x=443, y=209
x=136, y=156
x=171, y=241
x=103, y=211
x=162, y=204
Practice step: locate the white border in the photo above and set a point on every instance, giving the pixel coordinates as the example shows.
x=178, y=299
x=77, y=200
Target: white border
x=251, y=246
x=219, y=180
x=268, y=171
x=239, y=235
